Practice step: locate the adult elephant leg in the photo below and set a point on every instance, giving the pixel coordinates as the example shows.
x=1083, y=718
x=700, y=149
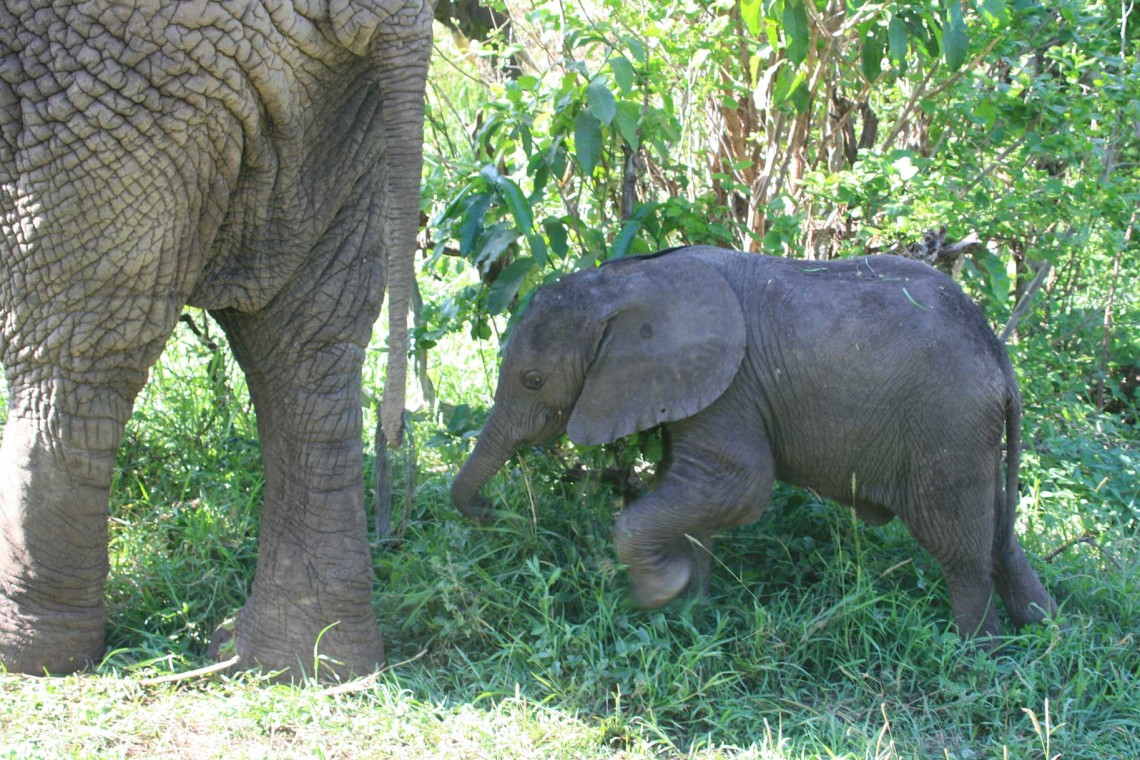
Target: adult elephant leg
x=720, y=476
x=312, y=594
x=75, y=361
x=56, y=463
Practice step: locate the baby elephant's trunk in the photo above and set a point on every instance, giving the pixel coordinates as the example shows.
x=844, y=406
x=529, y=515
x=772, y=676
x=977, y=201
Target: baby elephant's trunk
x=486, y=459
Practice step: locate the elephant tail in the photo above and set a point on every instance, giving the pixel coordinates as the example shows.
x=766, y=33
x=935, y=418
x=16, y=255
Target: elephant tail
x=1006, y=511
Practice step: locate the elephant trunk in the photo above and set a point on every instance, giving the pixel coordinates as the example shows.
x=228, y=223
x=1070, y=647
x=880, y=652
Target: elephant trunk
x=488, y=457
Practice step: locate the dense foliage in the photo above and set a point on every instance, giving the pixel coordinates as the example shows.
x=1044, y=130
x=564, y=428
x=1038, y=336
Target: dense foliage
x=586, y=133
x=575, y=133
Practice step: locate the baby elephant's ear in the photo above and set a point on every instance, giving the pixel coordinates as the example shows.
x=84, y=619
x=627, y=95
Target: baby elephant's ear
x=671, y=340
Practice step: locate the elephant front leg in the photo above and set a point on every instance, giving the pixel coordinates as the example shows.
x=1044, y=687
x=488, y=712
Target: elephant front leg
x=714, y=482
x=310, y=607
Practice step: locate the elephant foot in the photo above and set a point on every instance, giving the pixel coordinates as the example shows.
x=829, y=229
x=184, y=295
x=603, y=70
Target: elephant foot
x=656, y=587
x=659, y=571
x=50, y=641
x=700, y=549
x=293, y=643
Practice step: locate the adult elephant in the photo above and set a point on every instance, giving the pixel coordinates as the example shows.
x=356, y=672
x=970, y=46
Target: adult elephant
x=256, y=158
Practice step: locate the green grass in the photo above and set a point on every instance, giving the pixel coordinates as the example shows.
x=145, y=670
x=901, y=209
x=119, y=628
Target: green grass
x=823, y=638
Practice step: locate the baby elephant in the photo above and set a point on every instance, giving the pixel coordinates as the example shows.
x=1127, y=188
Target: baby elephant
x=871, y=380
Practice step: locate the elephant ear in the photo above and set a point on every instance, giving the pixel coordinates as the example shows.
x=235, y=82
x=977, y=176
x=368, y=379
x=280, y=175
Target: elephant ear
x=671, y=341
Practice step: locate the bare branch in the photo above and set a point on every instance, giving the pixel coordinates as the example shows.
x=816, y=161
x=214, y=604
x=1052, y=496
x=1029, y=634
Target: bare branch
x=1022, y=306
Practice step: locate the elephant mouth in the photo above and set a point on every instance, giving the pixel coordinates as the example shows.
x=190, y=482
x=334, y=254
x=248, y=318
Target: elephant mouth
x=553, y=427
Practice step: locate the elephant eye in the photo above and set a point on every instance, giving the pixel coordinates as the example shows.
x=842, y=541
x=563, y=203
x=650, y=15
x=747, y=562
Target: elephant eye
x=533, y=380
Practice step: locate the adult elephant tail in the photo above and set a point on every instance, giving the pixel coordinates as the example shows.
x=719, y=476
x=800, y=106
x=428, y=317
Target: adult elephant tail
x=367, y=26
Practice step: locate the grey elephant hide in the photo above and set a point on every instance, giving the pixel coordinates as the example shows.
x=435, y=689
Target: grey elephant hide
x=257, y=159
x=872, y=380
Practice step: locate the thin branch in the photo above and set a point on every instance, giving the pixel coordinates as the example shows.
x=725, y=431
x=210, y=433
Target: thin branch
x=953, y=79
x=999, y=161
x=903, y=117
x=367, y=682
x=217, y=667
x=1088, y=537
x=1022, y=307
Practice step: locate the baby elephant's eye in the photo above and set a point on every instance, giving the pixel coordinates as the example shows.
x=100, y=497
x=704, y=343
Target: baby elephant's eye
x=533, y=380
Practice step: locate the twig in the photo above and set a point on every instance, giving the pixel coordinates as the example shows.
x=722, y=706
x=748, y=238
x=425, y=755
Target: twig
x=217, y=667
x=901, y=121
x=361, y=684
x=1023, y=305
x=1088, y=537
x=999, y=161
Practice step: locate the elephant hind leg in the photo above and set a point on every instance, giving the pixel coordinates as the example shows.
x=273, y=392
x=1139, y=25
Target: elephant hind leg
x=955, y=524
x=971, y=597
x=53, y=556
x=56, y=465
x=310, y=605
x=75, y=363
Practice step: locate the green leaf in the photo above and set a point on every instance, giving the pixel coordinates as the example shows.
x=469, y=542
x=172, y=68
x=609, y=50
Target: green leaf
x=996, y=12
x=490, y=174
x=587, y=141
x=517, y=203
x=623, y=73
x=506, y=286
x=910, y=298
x=473, y=222
x=636, y=48
x=600, y=101
x=796, y=29
x=801, y=97
x=556, y=158
x=624, y=238
x=873, y=54
x=491, y=246
x=480, y=329
x=765, y=92
x=538, y=249
x=752, y=12
x=791, y=87
x=922, y=29
x=897, y=40
x=955, y=42
x=627, y=119
x=556, y=231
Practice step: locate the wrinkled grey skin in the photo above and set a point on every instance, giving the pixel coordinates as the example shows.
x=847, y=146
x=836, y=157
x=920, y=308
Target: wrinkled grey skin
x=260, y=159
x=874, y=381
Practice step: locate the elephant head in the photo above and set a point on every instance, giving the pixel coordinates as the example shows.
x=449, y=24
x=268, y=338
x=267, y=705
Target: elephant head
x=606, y=353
